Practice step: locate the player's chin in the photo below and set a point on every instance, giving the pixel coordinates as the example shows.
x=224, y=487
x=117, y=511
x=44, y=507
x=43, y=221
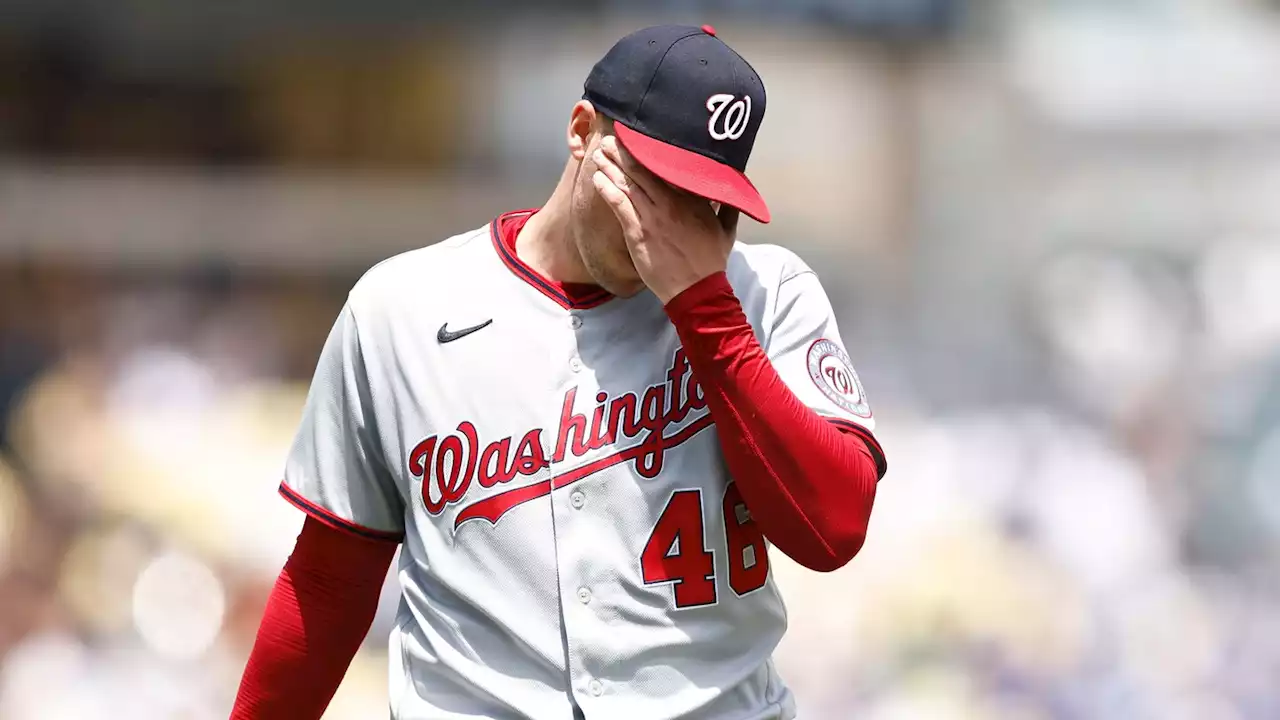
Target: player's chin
x=624, y=286
x=630, y=290
x=618, y=275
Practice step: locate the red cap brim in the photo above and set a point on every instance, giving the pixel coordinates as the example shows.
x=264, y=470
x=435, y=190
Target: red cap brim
x=694, y=173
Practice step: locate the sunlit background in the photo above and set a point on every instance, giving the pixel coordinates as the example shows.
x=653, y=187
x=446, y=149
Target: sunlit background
x=1050, y=229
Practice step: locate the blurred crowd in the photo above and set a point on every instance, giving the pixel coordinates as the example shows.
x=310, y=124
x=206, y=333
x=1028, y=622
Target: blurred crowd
x=1061, y=290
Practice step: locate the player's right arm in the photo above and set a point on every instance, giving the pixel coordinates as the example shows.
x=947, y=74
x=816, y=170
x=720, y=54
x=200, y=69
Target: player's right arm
x=318, y=614
x=325, y=597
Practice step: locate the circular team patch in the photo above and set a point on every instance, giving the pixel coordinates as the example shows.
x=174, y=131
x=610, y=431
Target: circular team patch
x=832, y=372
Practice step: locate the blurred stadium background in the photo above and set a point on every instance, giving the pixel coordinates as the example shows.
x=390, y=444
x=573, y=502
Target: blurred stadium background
x=1051, y=230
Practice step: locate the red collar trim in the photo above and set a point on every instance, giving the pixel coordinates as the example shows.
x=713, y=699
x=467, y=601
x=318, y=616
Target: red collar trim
x=573, y=296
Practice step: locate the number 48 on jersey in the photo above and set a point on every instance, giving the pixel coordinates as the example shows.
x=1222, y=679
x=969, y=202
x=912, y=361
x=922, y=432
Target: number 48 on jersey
x=677, y=549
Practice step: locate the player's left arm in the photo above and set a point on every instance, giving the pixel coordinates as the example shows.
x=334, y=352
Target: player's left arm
x=793, y=422
x=807, y=472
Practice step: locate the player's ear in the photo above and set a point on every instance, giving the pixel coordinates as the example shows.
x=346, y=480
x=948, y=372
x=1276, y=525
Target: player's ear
x=582, y=122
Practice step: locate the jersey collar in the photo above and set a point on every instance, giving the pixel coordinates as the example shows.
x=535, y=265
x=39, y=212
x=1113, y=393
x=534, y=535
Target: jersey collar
x=573, y=296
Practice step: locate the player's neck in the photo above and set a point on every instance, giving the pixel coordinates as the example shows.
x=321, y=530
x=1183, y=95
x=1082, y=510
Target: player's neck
x=546, y=244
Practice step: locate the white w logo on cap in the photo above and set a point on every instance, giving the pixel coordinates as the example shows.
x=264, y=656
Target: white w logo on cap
x=729, y=117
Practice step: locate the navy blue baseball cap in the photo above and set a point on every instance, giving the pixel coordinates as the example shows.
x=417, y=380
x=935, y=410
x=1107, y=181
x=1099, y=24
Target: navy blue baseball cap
x=687, y=108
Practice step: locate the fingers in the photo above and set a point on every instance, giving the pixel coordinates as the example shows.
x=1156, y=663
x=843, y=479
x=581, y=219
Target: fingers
x=640, y=176
x=619, y=202
x=728, y=218
x=617, y=176
x=632, y=191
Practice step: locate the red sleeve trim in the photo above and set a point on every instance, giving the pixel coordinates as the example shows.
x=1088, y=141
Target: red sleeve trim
x=877, y=452
x=330, y=520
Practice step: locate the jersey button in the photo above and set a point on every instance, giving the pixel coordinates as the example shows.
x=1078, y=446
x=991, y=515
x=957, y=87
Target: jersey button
x=577, y=499
x=584, y=596
x=575, y=322
x=575, y=364
x=596, y=687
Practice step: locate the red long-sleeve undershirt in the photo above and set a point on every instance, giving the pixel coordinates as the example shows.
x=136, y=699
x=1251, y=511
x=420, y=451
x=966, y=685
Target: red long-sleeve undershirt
x=318, y=614
x=808, y=483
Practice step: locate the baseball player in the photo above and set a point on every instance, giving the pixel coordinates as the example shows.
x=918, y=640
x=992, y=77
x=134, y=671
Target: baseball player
x=584, y=425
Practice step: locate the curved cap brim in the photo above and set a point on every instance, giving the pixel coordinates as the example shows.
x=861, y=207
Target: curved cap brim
x=694, y=173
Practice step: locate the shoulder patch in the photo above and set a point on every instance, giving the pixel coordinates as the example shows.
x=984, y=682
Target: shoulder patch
x=833, y=373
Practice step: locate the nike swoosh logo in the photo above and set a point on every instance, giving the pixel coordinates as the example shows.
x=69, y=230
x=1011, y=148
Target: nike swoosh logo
x=446, y=335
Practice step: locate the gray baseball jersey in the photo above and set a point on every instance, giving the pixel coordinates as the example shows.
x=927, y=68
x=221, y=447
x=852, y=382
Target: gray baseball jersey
x=573, y=542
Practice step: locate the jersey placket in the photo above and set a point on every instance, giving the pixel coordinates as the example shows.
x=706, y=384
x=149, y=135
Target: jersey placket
x=577, y=510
